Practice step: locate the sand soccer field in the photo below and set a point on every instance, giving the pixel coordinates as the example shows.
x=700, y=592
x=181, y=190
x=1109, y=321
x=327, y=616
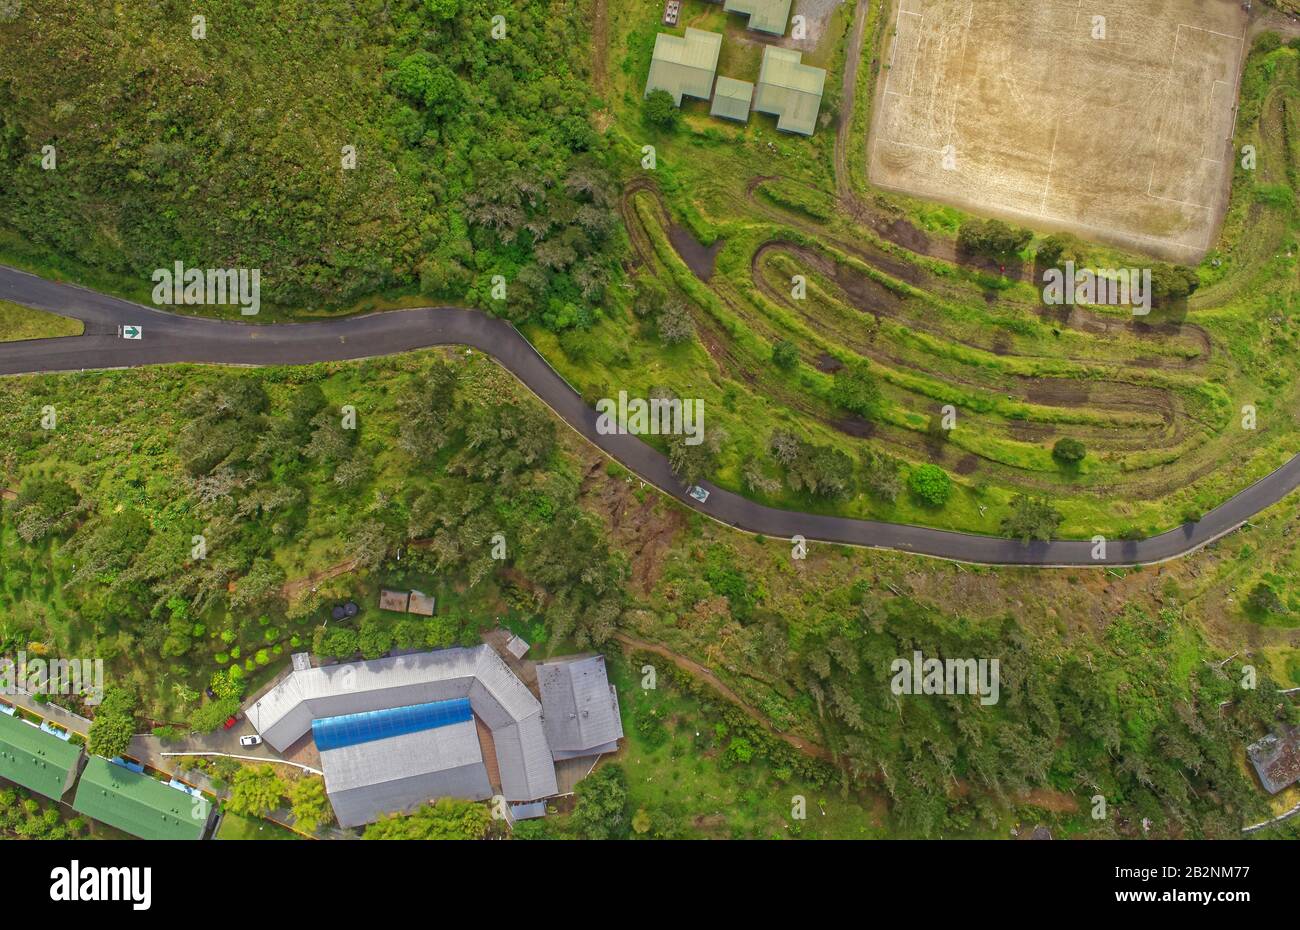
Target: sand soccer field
x=1104, y=117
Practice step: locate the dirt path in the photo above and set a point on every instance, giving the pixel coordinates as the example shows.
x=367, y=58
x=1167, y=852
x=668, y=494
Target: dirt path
x=852, y=59
x=599, y=45
x=706, y=674
x=630, y=642
x=291, y=588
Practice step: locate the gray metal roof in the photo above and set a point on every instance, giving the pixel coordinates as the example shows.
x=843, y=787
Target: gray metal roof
x=764, y=15
x=527, y=770
x=579, y=707
x=1276, y=758
x=528, y=811
x=427, y=751
x=367, y=780
x=731, y=99
x=684, y=64
x=284, y=714
x=789, y=90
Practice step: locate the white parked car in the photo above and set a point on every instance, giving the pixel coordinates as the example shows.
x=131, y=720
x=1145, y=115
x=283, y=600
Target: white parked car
x=698, y=493
x=250, y=741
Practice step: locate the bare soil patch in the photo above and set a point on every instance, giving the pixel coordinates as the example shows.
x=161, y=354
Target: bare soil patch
x=699, y=258
x=1111, y=120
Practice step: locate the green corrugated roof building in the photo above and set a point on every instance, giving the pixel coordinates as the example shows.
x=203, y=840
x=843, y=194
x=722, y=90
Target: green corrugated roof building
x=36, y=760
x=789, y=90
x=684, y=65
x=139, y=805
x=731, y=99
x=764, y=15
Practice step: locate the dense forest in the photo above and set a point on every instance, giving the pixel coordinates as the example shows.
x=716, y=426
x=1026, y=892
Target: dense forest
x=1136, y=719
x=468, y=148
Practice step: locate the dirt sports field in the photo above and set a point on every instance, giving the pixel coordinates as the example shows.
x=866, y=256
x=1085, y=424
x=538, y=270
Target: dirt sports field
x=1013, y=108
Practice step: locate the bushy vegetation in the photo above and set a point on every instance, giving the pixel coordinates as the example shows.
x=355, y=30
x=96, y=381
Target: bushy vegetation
x=257, y=791
x=660, y=110
x=114, y=724
x=1032, y=517
x=1157, y=747
x=930, y=484
x=1069, y=451
x=99, y=545
x=993, y=238
x=471, y=155
x=23, y=817
x=444, y=819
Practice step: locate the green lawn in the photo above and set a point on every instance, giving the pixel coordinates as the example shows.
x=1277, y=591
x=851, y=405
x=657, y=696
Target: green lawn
x=238, y=827
x=17, y=322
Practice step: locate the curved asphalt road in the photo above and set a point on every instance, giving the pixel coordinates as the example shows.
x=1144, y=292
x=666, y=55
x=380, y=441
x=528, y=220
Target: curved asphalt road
x=169, y=338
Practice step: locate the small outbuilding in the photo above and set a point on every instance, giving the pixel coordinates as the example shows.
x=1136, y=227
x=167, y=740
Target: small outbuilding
x=579, y=708
x=1276, y=759
x=517, y=646
x=394, y=600
x=684, y=65
x=768, y=16
x=731, y=99
x=789, y=90
x=421, y=604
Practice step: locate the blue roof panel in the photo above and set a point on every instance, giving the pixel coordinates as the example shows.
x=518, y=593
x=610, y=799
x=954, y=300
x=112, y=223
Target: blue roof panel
x=351, y=729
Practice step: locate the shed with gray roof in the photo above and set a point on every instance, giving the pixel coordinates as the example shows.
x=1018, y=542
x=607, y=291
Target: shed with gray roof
x=684, y=65
x=579, y=707
x=789, y=90
x=768, y=16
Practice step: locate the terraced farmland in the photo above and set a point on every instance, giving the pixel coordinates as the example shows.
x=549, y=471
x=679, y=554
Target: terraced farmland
x=1162, y=403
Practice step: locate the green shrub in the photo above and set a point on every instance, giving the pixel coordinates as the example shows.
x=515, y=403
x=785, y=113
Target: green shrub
x=930, y=484
x=1069, y=451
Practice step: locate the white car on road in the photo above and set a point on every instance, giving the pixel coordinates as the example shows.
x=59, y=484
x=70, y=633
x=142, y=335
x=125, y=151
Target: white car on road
x=698, y=493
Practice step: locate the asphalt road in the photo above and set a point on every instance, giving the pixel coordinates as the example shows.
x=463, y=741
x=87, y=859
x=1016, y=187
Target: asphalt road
x=169, y=338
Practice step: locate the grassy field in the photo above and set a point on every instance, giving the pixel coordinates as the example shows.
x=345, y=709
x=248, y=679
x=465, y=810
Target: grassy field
x=238, y=827
x=18, y=322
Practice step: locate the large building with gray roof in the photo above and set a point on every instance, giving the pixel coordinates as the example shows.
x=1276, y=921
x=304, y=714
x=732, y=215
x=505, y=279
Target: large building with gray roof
x=579, y=707
x=368, y=775
x=394, y=762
